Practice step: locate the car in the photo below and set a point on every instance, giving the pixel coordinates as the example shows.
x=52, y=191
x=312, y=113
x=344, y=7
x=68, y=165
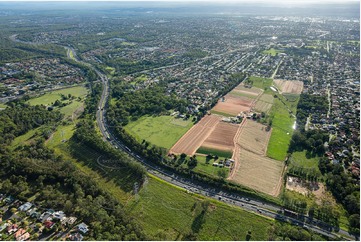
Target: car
x=219, y=198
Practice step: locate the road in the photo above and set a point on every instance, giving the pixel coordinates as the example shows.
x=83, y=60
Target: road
x=252, y=205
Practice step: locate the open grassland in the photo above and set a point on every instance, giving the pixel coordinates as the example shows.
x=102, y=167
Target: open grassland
x=233, y=104
x=51, y=97
x=222, y=137
x=163, y=131
x=272, y=52
x=294, y=87
x=171, y=214
x=206, y=167
x=282, y=130
x=72, y=108
x=258, y=172
x=262, y=83
x=254, y=137
x=61, y=135
x=193, y=139
x=300, y=159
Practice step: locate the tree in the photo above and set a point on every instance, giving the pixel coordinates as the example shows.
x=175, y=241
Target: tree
x=222, y=173
x=13, y=210
x=183, y=156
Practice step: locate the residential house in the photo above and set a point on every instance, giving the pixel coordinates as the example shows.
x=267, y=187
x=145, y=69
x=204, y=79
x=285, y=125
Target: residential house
x=83, y=228
x=25, y=207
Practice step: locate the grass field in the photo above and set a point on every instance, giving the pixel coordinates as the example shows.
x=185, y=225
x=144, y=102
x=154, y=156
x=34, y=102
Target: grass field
x=219, y=153
x=24, y=139
x=263, y=83
x=272, y=52
x=281, y=129
x=171, y=214
x=51, y=97
x=203, y=167
x=300, y=159
x=72, y=107
x=221, y=113
x=163, y=131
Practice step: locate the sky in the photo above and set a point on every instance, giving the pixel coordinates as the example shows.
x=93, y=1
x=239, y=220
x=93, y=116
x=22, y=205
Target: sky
x=219, y=1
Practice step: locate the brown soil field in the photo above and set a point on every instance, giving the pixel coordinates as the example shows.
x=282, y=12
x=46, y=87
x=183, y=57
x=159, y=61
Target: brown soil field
x=285, y=86
x=222, y=137
x=193, y=139
x=233, y=105
x=254, y=137
x=252, y=168
x=258, y=172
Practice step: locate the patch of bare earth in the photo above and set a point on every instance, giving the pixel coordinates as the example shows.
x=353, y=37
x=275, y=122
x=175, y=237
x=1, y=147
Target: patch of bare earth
x=306, y=187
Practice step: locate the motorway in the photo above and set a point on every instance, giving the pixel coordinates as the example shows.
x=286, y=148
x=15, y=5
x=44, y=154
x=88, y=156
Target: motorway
x=252, y=205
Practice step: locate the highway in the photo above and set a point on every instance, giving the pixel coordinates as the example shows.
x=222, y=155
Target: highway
x=259, y=207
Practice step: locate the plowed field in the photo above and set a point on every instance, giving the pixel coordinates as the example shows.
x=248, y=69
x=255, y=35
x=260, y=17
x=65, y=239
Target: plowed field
x=193, y=139
x=252, y=168
x=295, y=87
x=233, y=105
x=222, y=137
x=254, y=137
x=258, y=172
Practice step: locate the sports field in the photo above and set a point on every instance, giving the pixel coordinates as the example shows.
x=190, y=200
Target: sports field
x=162, y=131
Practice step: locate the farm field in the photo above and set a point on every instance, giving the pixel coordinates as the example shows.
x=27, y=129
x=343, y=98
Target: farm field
x=222, y=137
x=163, y=131
x=254, y=137
x=233, y=105
x=285, y=86
x=264, y=103
x=258, y=172
x=194, y=138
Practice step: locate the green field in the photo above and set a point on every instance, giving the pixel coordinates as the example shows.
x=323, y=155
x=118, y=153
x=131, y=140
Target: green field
x=281, y=129
x=168, y=213
x=162, y=131
x=219, y=153
x=51, y=97
x=209, y=169
x=71, y=107
x=221, y=113
x=24, y=139
x=300, y=159
x=272, y=52
x=263, y=83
